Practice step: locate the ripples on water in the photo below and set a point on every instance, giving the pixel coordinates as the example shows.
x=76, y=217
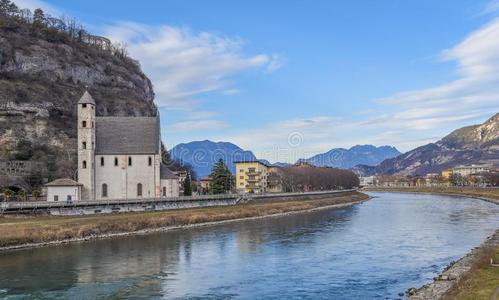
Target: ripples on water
x=373, y=250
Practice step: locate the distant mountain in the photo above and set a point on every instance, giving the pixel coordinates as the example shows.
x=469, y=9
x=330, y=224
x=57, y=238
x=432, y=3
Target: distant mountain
x=202, y=155
x=477, y=144
x=357, y=155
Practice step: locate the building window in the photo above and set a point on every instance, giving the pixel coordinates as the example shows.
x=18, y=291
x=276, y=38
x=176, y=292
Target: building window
x=129, y=160
x=242, y=183
x=102, y=161
x=83, y=123
x=92, y=124
x=104, y=190
x=139, y=189
x=84, y=145
x=115, y=161
x=84, y=164
x=84, y=105
x=241, y=177
x=241, y=171
x=56, y=197
x=164, y=191
x=150, y=161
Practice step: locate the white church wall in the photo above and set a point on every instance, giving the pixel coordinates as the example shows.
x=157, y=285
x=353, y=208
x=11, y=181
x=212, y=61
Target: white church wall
x=61, y=193
x=122, y=180
x=170, y=187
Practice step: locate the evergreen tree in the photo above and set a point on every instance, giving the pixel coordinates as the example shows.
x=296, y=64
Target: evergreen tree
x=187, y=186
x=222, y=180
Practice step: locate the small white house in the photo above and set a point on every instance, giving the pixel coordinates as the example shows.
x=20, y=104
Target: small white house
x=169, y=183
x=63, y=189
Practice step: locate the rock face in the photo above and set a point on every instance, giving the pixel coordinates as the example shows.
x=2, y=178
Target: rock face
x=40, y=84
x=347, y=158
x=478, y=144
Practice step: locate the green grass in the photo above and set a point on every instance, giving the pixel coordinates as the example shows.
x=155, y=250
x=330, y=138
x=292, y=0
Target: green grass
x=480, y=283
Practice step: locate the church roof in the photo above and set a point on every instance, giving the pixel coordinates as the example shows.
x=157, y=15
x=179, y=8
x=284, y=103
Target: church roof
x=127, y=135
x=86, y=99
x=63, y=182
x=165, y=173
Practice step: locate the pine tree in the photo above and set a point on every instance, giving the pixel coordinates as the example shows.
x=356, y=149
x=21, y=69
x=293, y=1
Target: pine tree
x=187, y=186
x=221, y=178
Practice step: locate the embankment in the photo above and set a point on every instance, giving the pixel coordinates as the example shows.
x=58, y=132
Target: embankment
x=24, y=231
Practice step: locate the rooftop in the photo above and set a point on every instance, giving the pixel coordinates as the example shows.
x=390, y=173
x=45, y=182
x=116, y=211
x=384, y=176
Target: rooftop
x=63, y=182
x=86, y=99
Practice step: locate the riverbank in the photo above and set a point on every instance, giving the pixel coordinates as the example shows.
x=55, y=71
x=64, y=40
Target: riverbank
x=487, y=194
x=471, y=277
x=27, y=232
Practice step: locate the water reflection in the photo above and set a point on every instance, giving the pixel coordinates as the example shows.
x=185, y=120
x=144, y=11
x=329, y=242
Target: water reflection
x=375, y=249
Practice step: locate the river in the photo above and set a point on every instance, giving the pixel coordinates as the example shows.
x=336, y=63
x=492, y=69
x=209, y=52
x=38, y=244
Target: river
x=372, y=250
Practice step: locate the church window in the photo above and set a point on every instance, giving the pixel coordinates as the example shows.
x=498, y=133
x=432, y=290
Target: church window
x=115, y=161
x=104, y=190
x=139, y=189
x=84, y=145
x=56, y=197
x=84, y=124
x=84, y=164
x=84, y=105
x=150, y=161
x=129, y=160
x=102, y=161
x=164, y=191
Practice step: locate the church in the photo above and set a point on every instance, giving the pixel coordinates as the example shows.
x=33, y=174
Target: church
x=118, y=158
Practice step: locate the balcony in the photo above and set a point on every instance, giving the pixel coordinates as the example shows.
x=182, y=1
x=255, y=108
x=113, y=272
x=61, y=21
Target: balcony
x=253, y=173
x=253, y=180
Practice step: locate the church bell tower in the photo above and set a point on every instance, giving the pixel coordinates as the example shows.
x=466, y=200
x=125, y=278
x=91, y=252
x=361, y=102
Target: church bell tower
x=86, y=146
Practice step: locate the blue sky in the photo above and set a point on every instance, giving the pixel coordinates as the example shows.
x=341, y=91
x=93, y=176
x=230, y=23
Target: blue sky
x=289, y=79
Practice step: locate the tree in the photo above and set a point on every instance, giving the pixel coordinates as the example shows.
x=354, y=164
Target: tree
x=7, y=194
x=39, y=18
x=187, y=186
x=222, y=179
x=36, y=194
x=21, y=194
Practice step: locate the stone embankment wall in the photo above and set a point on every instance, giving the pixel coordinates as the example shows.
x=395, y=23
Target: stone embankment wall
x=137, y=205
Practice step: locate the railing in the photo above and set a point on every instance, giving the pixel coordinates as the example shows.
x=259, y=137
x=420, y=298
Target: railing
x=5, y=206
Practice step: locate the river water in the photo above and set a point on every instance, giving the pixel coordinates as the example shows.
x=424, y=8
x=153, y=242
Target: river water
x=372, y=250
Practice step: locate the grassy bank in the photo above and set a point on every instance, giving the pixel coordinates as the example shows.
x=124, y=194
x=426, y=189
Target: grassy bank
x=482, y=281
x=32, y=230
x=489, y=193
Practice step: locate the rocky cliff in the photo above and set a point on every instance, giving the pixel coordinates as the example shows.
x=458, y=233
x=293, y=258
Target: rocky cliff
x=41, y=80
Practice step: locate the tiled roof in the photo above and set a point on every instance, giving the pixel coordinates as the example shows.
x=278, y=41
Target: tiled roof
x=127, y=135
x=165, y=173
x=63, y=182
x=86, y=99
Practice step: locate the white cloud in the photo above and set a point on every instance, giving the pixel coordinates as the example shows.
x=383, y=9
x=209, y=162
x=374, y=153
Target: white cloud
x=183, y=64
x=197, y=125
x=407, y=119
x=491, y=7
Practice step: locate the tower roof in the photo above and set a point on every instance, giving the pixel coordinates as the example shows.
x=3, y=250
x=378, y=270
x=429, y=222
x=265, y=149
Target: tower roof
x=86, y=99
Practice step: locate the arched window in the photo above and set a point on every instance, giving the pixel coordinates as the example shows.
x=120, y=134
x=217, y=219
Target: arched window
x=84, y=124
x=104, y=190
x=129, y=160
x=115, y=161
x=164, y=191
x=150, y=161
x=139, y=189
x=102, y=161
x=84, y=145
x=84, y=164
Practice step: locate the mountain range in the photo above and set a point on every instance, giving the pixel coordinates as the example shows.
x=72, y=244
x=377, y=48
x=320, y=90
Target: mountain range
x=477, y=144
x=201, y=155
x=357, y=155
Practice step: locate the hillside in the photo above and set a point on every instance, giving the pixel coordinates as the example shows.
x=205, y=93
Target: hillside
x=202, y=155
x=356, y=155
x=478, y=144
x=43, y=72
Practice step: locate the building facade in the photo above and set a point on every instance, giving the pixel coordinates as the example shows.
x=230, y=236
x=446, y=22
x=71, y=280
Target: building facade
x=63, y=189
x=120, y=157
x=251, y=177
